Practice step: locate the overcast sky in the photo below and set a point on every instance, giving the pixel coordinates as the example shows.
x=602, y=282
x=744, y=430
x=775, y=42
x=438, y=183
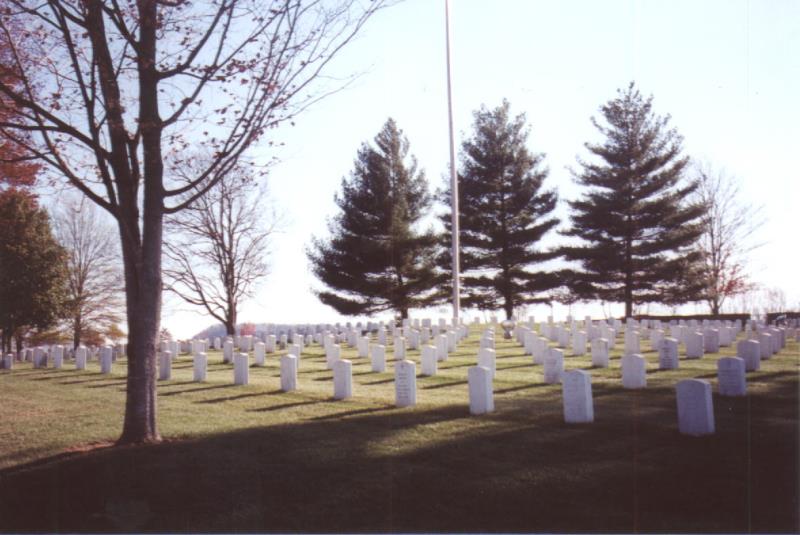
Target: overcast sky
x=728, y=73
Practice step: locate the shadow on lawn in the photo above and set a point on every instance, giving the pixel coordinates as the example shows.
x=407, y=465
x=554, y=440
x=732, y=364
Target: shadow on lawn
x=439, y=469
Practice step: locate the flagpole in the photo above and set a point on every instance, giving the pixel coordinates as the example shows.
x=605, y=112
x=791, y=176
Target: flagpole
x=453, y=177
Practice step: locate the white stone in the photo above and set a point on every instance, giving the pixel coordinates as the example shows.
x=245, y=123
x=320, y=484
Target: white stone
x=563, y=338
x=217, y=343
x=241, y=369
x=668, y=354
x=441, y=347
x=765, y=343
x=227, y=351
x=600, y=353
x=332, y=354
x=259, y=353
x=342, y=379
x=165, y=366
x=405, y=383
x=695, y=407
x=429, y=359
x=378, y=358
x=296, y=350
x=694, y=344
x=632, y=344
x=553, y=366
x=730, y=376
x=577, y=397
x=750, y=352
x=399, y=348
x=711, y=341
x=270, y=342
x=363, y=346
x=288, y=373
x=200, y=367
x=487, y=358
x=58, y=357
x=105, y=360
x=579, y=343
x=451, y=341
x=80, y=358
x=540, y=349
x=481, y=396
x=634, y=371
x=8, y=362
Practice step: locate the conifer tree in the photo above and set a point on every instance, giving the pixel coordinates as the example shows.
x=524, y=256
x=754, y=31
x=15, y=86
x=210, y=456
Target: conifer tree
x=503, y=215
x=375, y=258
x=637, y=227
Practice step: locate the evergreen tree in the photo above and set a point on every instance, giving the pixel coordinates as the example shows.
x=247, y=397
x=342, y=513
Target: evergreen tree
x=375, y=259
x=638, y=229
x=33, y=272
x=503, y=215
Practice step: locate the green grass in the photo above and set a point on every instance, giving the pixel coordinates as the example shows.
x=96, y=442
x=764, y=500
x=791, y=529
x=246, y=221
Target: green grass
x=253, y=458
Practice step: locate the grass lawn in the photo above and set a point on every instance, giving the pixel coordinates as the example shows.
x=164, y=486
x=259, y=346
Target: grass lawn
x=252, y=458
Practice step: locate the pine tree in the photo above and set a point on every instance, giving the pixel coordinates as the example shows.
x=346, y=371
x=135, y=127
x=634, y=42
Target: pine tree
x=637, y=227
x=503, y=215
x=375, y=259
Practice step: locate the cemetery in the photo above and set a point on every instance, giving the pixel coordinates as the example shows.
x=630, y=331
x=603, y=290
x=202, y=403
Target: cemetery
x=478, y=432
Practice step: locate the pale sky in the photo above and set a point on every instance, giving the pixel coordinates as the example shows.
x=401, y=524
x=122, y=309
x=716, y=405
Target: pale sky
x=728, y=72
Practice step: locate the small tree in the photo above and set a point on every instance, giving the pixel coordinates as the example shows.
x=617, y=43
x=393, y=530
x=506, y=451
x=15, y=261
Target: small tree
x=638, y=229
x=32, y=267
x=94, y=274
x=728, y=227
x=376, y=259
x=504, y=214
x=216, y=249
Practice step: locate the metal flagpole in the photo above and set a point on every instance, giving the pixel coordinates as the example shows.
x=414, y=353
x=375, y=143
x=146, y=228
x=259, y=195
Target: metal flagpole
x=453, y=176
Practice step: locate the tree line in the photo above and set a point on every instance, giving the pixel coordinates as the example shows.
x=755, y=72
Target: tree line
x=646, y=228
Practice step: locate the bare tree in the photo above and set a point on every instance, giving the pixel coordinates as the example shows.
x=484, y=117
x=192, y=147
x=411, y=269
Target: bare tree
x=113, y=93
x=729, y=224
x=216, y=248
x=94, y=280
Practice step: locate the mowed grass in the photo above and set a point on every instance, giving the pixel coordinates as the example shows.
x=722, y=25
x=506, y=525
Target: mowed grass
x=252, y=458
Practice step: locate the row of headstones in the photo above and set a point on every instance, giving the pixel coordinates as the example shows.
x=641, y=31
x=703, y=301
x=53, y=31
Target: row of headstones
x=56, y=356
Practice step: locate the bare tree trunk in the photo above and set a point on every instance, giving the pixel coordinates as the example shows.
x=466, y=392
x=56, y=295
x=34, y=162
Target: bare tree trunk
x=76, y=332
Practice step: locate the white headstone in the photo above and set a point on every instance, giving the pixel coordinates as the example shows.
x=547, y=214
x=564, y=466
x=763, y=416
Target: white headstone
x=731, y=378
x=694, y=344
x=288, y=373
x=332, y=354
x=634, y=371
x=405, y=383
x=8, y=362
x=428, y=357
x=711, y=341
x=441, y=347
x=200, y=367
x=765, y=344
x=165, y=366
x=600, y=353
x=399, y=348
x=105, y=360
x=227, y=351
x=270, y=342
x=488, y=359
x=695, y=407
x=58, y=356
x=378, y=358
x=579, y=343
x=80, y=358
x=750, y=352
x=577, y=397
x=259, y=353
x=668, y=354
x=342, y=379
x=481, y=397
x=241, y=369
x=553, y=365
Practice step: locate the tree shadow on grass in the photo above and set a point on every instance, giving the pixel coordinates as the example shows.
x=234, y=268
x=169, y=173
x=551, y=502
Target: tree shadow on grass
x=360, y=469
x=193, y=390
